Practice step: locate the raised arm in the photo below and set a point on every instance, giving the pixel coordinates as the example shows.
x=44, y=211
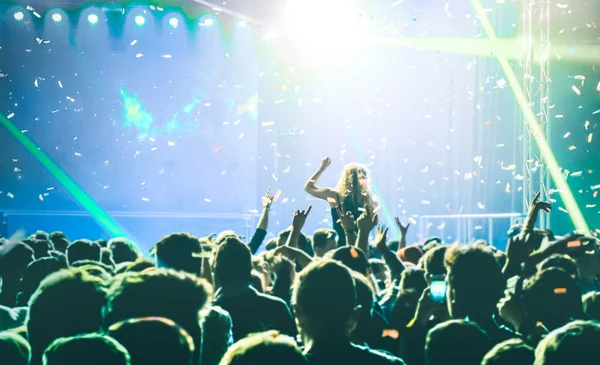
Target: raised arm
x=403, y=231
x=534, y=209
x=391, y=260
x=297, y=224
x=345, y=226
x=263, y=223
x=521, y=246
x=320, y=192
x=365, y=223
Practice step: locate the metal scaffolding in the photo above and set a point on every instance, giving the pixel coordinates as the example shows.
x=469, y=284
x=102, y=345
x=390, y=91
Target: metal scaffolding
x=536, y=85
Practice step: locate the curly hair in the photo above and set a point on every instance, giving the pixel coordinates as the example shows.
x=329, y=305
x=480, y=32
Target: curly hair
x=349, y=185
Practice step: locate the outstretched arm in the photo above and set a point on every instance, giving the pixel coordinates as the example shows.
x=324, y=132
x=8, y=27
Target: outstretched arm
x=391, y=260
x=297, y=224
x=263, y=222
x=403, y=231
x=320, y=192
x=365, y=223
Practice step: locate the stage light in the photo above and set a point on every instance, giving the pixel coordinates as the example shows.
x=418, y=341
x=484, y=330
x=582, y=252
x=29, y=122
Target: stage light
x=243, y=23
x=19, y=16
x=93, y=18
x=57, y=17
x=140, y=20
x=208, y=22
x=325, y=31
x=174, y=22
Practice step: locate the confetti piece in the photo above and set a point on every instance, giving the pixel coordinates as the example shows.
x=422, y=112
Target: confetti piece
x=353, y=253
x=509, y=167
x=139, y=55
x=590, y=138
x=207, y=200
x=576, y=90
x=480, y=206
x=10, y=195
x=145, y=199
x=425, y=202
x=560, y=291
x=171, y=144
x=41, y=197
x=60, y=84
x=133, y=42
x=268, y=124
x=571, y=148
x=10, y=115
x=572, y=244
x=567, y=135
x=167, y=56
x=77, y=154
x=279, y=101
x=598, y=87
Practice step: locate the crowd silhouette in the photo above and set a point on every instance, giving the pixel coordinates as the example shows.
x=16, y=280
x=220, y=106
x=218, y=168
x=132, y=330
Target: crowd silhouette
x=344, y=295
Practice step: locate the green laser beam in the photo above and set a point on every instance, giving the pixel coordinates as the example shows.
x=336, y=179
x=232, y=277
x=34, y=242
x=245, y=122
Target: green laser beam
x=80, y=196
x=534, y=127
x=509, y=48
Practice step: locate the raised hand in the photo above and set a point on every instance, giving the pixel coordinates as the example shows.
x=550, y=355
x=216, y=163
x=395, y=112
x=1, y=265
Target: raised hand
x=403, y=229
x=367, y=220
x=268, y=199
x=347, y=219
x=300, y=218
x=537, y=205
x=325, y=163
x=380, y=241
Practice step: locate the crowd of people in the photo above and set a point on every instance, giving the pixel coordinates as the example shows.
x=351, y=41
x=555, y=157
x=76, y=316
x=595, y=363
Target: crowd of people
x=345, y=295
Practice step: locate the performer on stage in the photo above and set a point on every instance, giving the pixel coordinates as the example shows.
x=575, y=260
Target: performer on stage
x=353, y=193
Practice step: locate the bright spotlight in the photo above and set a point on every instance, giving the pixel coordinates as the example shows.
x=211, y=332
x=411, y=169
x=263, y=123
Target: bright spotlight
x=57, y=17
x=93, y=18
x=140, y=20
x=19, y=16
x=243, y=23
x=208, y=22
x=174, y=22
x=335, y=32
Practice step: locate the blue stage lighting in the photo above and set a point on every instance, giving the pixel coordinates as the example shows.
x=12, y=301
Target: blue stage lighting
x=57, y=17
x=93, y=18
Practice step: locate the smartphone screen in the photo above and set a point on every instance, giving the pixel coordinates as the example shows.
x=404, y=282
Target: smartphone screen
x=437, y=290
